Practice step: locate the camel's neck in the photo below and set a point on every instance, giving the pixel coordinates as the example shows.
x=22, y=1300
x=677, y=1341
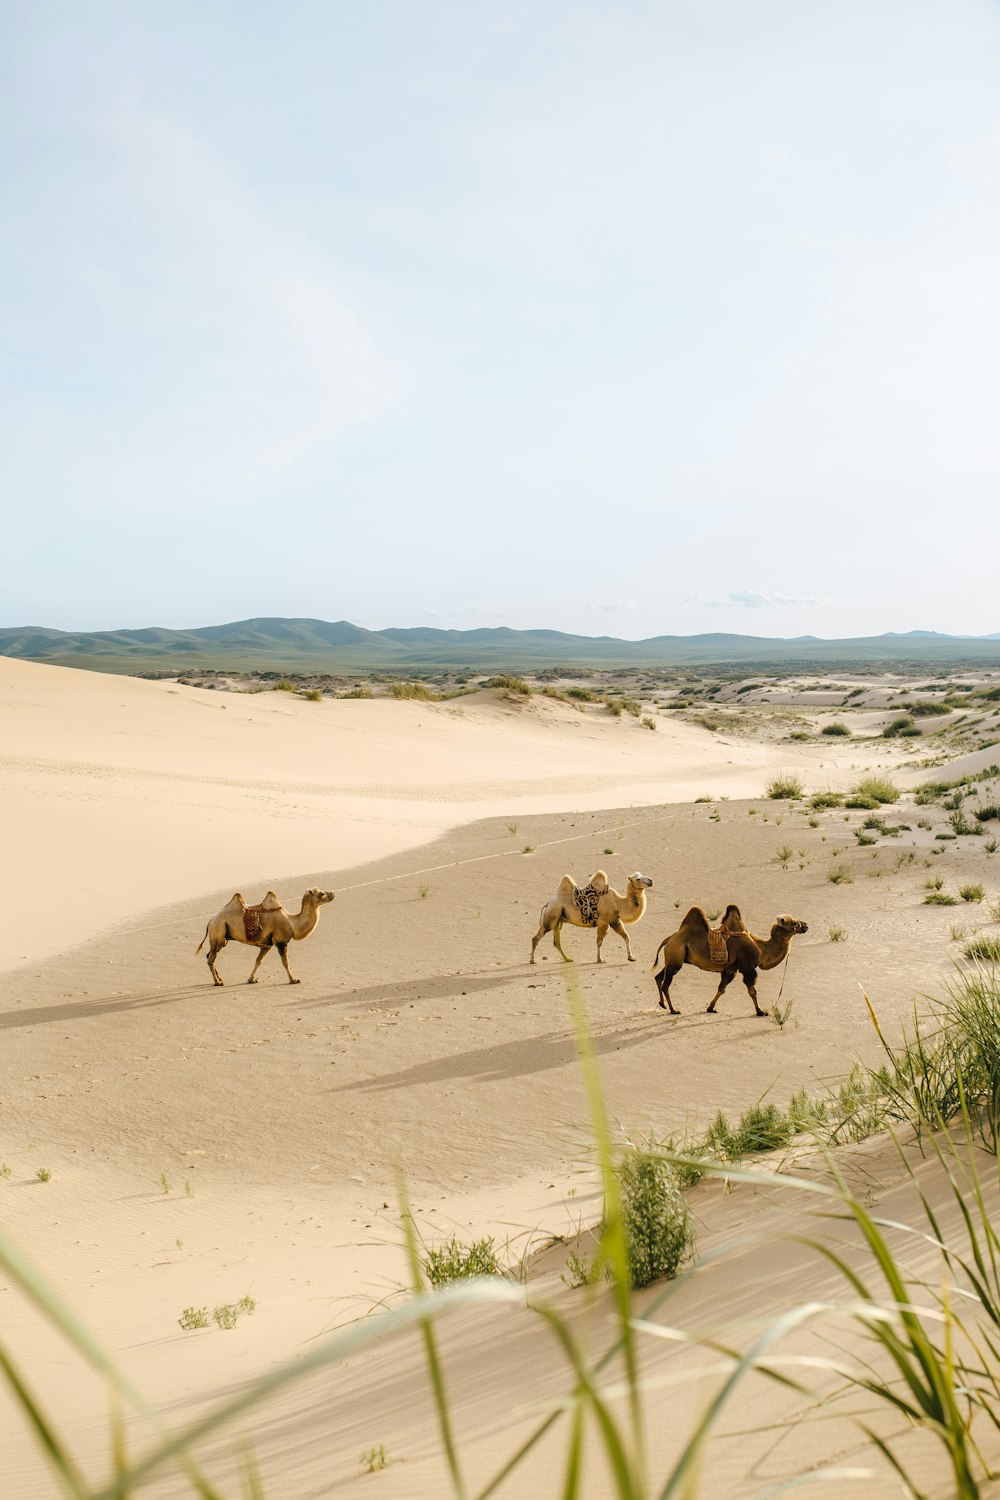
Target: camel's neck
x=634, y=904
x=774, y=949
x=305, y=920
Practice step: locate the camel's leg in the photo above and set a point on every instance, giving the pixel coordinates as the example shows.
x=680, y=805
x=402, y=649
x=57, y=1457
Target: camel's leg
x=750, y=980
x=260, y=960
x=210, y=958
x=283, y=955
x=619, y=926
x=728, y=975
x=542, y=930
x=602, y=932
x=664, y=980
x=555, y=938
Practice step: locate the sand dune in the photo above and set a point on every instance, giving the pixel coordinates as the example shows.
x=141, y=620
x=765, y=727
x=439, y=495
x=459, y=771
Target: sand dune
x=208, y=1143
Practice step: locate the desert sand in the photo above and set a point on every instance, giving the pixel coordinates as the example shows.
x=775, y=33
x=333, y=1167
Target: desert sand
x=204, y=1144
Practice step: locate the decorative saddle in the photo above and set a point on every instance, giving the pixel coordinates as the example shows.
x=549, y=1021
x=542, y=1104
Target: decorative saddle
x=718, y=944
x=251, y=920
x=586, y=898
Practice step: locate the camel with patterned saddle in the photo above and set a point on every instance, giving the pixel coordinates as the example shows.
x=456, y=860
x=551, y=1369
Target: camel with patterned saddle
x=266, y=925
x=728, y=949
x=593, y=905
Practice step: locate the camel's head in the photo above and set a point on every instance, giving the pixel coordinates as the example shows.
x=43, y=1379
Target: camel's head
x=639, y=879
x=791, y=925
x=320, y=898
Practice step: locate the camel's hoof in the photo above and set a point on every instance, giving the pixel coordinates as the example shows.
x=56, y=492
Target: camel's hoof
x=251, y=981
x=631, y=958
x=762, y=1012
x=295, y=981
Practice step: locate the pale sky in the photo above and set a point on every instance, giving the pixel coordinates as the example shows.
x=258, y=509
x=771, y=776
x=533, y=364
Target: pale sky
x=628, y=317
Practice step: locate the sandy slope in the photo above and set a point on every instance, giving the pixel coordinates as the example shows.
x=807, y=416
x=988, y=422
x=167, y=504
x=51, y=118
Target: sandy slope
x=419, y=1036
x=129, y=793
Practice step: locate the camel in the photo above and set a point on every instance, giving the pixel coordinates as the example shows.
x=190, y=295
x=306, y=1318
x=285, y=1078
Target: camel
x=745, y=954
x=593, y=905
x=265, y=926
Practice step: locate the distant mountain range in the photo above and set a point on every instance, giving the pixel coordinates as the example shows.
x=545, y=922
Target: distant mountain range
x=338, y=647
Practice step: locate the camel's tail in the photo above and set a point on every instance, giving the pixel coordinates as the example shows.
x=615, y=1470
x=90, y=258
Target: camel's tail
x=659, y=950
x=202, y=943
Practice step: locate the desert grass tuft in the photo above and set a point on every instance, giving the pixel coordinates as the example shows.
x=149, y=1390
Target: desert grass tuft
x=788, y=786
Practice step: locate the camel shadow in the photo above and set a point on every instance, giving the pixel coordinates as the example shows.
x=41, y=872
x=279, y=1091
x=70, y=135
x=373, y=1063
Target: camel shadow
x=386, y=995
x=505, y=1060
x=44, y=1015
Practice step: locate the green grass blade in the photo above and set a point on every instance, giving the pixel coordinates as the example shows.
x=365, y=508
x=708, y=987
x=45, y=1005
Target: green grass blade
x=58, y=1457
x=430, y=1348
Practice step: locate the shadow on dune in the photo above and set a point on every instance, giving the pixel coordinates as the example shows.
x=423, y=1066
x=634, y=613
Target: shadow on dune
x=389, y=995
x=504, y=1060
x=105, y=1005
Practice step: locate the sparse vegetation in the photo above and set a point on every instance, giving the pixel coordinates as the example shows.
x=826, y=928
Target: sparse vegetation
x=511, y=684
x=417, y=690
x=881, y=789
x=454, y=1261
x=648, y=721
x=360, y=690
x=372, y=1460
x=836, y=933
x=972, y=892
x=788, y=786
x=984, y=949
x=43, y=1174
x=193, y=1317
x=940, y=898
x=839, y=875
x=836, y=730
x=821, y=800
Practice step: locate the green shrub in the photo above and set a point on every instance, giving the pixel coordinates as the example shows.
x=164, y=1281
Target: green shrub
x=880, y=788
x=786, y=787
x=512, y=684
x=899, y=725
x=984, y=949
x=655, y=1217
x=835, y=729
x=283, y=686
x=972, y=892
x=313, y=695
x=940, y=898
x=582, y=695
x=362, y=690
x=856, y=800
x=193, y=1317
x=454, y=1261
x=840, y=875
x=821, y=800
x=418, y=690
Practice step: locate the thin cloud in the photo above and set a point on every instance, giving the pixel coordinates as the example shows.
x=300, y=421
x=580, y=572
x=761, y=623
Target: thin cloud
x=612, y=606
x=751, y=599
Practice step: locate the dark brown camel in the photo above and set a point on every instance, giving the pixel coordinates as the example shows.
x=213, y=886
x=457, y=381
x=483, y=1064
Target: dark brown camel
x=745, y=953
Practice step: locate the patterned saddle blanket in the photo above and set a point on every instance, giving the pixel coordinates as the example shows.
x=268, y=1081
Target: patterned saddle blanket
x=586, y=899
x=251, y=920
x=718, y=944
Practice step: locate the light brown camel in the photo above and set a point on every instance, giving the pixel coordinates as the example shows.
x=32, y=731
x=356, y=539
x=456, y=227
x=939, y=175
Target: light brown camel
x=265, y=926
x=593, y=905
x=745, y=953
